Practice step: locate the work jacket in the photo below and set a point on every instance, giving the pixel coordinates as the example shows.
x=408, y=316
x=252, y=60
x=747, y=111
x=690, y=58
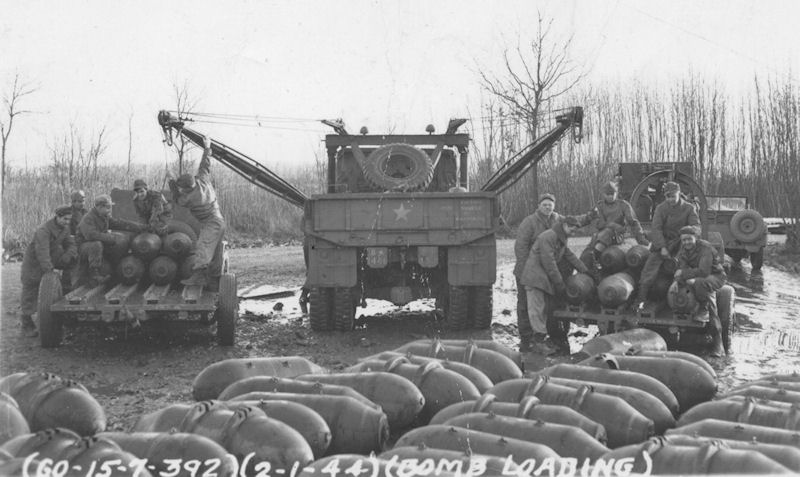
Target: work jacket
x=49, y=243
x=94, y=227
x=530, y=228
x=616, y=216
x=667, y=222
x=202, y=200
x=541, y=269
x=699, y=262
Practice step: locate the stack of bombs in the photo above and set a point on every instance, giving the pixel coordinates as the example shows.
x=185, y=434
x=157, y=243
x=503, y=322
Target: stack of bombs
x=159, y=259
x=621, y=266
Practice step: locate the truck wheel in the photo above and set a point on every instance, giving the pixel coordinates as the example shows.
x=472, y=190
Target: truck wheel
x=747, y=225
x=757, y=259
x=726, y=298
x=227, y=310
x=457, y=311
x=398, y=166
x=480, y=308
x=321, y=313
x=344, y=309
x=50, y=325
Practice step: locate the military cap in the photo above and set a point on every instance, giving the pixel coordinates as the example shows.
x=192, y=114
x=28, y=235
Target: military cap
x=571, y=220
x=186, y=181
x=139, y=184
x=689, y=230
x=63, y=210
x=671, y=187
x=546, y=196
x=103, y=200
x=609, y=188
x=78, y=194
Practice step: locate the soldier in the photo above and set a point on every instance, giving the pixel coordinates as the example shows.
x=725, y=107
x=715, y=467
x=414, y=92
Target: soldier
x=52, y=248
x=528, y=231
x=78, y=210
x=197, y=194
x=151, y=206
x=544, y=275
x=93, y=234
x=612, y=215
x=78, y=199
x=700, y=269
x=669, y=217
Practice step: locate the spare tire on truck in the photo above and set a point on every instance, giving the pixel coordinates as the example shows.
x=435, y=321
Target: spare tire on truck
x=398, y=167
x=747, y=225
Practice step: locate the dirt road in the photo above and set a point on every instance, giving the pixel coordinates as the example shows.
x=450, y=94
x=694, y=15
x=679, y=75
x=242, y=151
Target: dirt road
x=135, y=371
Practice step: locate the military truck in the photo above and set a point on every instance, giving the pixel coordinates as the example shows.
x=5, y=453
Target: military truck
x=397, y=221
x=642, y=185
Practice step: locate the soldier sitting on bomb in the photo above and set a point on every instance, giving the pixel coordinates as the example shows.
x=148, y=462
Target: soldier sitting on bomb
x=700, y=269
x=612, y=216
x=93, y=235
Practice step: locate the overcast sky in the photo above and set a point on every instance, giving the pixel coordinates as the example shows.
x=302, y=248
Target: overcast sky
x=386, y=64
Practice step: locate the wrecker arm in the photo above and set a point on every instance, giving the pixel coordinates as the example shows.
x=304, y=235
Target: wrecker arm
x=515, y=168
x=243, y=165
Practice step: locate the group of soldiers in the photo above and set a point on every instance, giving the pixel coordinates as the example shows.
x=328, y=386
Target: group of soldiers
x=75, y=238
x=544, y=260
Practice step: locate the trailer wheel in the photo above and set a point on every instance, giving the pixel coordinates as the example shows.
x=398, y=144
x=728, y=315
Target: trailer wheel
x=757, y=259
x=458, y=309
x=227, y=310
x=344, y=309
x=50, y=325
x=398, y=166
x=480, y=308
x=726, y=299
x=321, y=313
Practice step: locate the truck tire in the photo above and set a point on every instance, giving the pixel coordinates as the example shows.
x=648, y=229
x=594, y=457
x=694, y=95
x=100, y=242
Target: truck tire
x=726, y=299
x=458, y=309
x=50, y=325
x=321, y=313
x=227, y=312
x=747, y=225
x=757, y=259
x=344, y=309
x=398, y=167
x=480, y=307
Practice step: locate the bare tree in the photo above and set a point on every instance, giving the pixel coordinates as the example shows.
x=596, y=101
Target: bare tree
x=533, y=78
x=185, y=104
x=11, y=109
x=130, y=141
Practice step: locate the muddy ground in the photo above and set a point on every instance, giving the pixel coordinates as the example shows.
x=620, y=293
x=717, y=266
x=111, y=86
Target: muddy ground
x=135, y=371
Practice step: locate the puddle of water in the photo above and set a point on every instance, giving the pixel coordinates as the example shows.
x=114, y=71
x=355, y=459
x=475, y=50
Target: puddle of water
x=766, y=341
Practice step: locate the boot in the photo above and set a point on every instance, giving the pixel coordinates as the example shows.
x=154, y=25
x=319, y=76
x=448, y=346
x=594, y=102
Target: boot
x=541, y=344
x=525, y=344
x=197, y=278
x=28, y=326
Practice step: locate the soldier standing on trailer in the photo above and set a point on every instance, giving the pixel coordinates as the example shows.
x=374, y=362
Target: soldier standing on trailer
x=78, y=210
x=52, y=247
x=197, y=194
